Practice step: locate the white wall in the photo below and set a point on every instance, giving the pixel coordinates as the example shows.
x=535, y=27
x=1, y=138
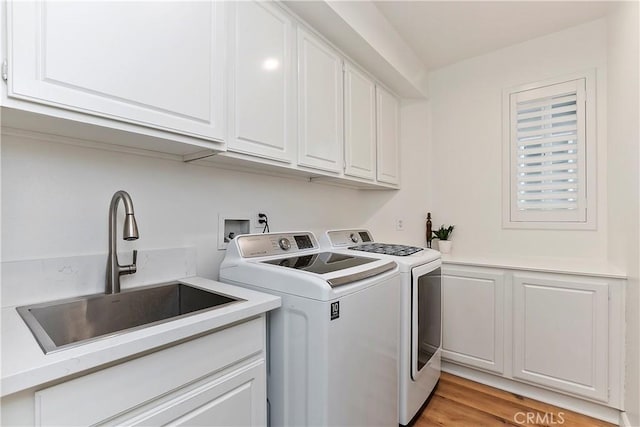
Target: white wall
x=624, y=186
x=55, y=199
x=412, y=203
x=466, y=100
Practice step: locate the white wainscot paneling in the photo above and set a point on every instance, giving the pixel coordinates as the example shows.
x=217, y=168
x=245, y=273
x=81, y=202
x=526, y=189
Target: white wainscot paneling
x=473, y=318
x=561, y=333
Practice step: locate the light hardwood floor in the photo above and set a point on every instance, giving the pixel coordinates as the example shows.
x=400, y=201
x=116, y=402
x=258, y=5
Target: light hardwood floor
x=460, y=402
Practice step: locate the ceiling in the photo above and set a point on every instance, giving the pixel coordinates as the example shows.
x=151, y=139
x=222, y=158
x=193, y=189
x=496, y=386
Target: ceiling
x=444, y=32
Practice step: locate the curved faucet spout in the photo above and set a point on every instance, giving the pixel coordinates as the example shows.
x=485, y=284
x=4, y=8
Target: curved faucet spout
x=130, y=232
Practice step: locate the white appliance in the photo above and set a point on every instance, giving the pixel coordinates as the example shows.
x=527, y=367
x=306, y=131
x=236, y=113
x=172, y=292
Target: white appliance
x=333, y=345
x=420, y=312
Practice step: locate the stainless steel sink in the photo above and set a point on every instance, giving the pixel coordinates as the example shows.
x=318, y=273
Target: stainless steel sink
x=61, y=324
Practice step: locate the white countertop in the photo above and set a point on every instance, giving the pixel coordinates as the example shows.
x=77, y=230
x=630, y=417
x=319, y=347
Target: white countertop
x=541, y=264
x=24, y=364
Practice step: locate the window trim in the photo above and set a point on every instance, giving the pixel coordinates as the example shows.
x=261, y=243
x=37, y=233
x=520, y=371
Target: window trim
x=590, y=163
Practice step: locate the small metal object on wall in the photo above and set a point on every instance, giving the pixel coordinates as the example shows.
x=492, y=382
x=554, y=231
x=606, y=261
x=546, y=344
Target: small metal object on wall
x=429, y=231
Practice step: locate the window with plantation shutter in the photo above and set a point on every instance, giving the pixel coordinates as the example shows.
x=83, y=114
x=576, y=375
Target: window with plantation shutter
x=547, y=150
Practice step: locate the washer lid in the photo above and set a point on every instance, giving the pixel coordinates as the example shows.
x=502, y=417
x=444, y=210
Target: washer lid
x=321, y=263
x=331, y=262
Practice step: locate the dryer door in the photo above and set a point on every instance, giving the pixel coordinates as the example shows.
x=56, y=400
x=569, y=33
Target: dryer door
x=426, y=315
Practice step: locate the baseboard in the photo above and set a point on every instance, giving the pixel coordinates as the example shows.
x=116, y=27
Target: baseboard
x=624, y=420
x=594, y=410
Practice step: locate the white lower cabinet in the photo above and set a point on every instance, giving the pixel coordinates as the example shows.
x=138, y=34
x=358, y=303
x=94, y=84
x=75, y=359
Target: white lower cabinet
x=218, y=379
x=473, y=318
x=561, y=333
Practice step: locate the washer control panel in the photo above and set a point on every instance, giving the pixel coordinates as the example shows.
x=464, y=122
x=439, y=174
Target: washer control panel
x=284, y=243
x=346, y=238
x=255, y=245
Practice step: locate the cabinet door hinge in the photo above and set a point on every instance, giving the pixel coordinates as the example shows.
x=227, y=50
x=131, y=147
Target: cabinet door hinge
x=5, y=67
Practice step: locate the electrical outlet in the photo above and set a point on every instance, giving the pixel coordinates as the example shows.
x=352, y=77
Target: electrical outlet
x=399, y=225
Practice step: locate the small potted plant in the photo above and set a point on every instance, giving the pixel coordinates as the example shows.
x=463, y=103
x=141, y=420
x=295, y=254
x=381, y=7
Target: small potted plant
x=443, y=235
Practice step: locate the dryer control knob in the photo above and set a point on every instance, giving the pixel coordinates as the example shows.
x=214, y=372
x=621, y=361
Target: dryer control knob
x=354, y=237
x=284, y=244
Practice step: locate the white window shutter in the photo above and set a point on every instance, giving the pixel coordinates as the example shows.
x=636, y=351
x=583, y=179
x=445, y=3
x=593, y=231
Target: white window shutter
x=548, y=153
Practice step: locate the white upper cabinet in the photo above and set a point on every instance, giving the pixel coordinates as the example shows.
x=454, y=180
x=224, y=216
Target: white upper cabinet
x=155, y=64
x=387, y=131
x=261, y=104
x=320, y=105
x=359, y=124
x=192, y=78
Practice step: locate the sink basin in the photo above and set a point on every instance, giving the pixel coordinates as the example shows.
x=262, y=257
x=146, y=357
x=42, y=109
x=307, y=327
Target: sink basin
x=61, y=324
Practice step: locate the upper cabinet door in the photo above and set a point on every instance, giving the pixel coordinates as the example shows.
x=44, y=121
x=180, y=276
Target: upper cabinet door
x=261, y=106
x=320, y=131
x=387, y=131
x=360, y=124
x=156, y=64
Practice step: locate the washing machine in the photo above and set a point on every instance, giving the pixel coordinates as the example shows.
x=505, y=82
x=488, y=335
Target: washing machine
x=420, y=312
x=333, y=346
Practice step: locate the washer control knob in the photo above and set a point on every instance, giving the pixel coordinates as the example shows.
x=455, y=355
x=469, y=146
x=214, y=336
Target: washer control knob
x=284, y=244
x=354, y=237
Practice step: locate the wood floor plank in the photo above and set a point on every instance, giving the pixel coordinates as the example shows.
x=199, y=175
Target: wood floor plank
x=460, y=402
x=442, y=412
x=499, y=408
x=571, y=418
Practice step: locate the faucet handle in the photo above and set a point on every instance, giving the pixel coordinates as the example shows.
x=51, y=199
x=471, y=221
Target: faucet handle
x=131, y=268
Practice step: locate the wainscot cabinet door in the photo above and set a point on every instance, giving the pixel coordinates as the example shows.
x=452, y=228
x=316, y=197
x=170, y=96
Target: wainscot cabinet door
x=155, y=64
x=387, y=108
x=560, y=333
x=473, y=318
x=360, y=124
x=261, y=106
x=320, y=104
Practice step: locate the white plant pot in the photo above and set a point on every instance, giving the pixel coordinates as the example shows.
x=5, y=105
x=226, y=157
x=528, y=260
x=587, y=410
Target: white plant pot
x=444, y=246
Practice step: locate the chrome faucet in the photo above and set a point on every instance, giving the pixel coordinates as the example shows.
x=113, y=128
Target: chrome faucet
x=130, y=232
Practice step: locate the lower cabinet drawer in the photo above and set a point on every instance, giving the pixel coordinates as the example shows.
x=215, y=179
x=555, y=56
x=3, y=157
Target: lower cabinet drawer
x=235, y=399
x=102, y=395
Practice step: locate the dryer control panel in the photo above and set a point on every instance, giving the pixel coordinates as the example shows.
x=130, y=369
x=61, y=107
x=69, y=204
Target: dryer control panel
x=346, y=238
x=255, y=245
